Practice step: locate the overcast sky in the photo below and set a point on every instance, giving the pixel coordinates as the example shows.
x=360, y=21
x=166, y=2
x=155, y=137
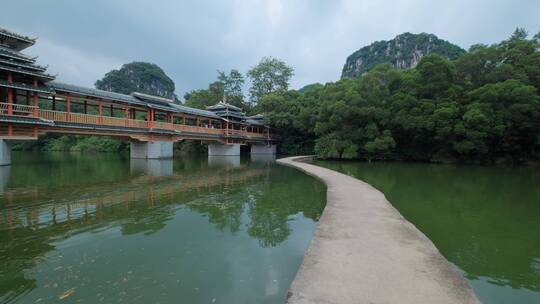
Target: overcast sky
x=190, y=40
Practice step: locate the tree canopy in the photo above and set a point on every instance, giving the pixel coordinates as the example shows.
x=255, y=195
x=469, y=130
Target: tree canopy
x=227, y=87
x=482, y=106
x=270, y=75
x=142, y=77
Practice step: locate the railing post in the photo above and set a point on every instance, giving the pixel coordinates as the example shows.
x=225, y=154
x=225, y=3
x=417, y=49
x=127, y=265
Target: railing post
x=35, y=104
x=100, y=113
x=10, y=95
x=10, y=101
x=68, y=106
x=35, y=99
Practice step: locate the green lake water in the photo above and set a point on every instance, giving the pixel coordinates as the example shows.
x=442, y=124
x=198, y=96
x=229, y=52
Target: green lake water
x=106, y=229
x=484, y=220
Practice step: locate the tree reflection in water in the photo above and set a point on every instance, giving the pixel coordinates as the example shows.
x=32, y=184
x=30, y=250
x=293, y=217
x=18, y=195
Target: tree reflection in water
x=37, y=213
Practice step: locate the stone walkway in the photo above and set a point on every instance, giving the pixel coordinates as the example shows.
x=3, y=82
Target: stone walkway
x=364, y=251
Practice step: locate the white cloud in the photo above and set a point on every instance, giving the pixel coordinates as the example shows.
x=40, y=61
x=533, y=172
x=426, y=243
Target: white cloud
x=73, y=65
x=191, y=39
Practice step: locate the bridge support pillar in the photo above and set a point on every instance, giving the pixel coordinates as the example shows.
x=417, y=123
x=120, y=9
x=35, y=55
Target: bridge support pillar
x=5, y=153
x=223, y=150
x=151, y=149
x=263, y=149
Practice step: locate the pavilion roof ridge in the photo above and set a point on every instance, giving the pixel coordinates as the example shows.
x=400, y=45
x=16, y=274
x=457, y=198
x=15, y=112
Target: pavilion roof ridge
x=225, y=105
x=17, y=36
x=150, y=96
x=19, y=55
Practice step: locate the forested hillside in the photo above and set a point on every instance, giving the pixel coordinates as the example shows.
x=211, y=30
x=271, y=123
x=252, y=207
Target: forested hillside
x=142, y=77
x=482, y=106
x=402, y=52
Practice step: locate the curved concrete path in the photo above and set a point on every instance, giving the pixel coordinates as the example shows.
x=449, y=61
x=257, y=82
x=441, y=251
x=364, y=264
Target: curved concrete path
x=364, y=251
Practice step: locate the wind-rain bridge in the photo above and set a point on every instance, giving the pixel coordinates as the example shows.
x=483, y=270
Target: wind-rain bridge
x=32, y=104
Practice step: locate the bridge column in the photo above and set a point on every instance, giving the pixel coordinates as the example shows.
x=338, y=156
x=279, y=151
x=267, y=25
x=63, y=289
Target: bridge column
x=151, y=149
x=263, y=149
x=5, y=153
x=223, y=150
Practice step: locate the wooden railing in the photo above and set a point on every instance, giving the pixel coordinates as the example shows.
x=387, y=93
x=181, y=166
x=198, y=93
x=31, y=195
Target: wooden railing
x=84, y=119
x=112, y=121
x=134, y=123
x=162, y=125
x=16, y=109
x=24, y=110
x=53, y=115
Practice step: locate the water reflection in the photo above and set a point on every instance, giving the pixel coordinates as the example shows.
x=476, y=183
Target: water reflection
x=5, y=172
x=263, y=158
x=483, y=219
x=151, y=167
x=224, y=161
x=180, y=230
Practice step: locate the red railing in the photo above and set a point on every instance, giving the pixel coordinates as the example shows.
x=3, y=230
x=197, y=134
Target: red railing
x=24, y=110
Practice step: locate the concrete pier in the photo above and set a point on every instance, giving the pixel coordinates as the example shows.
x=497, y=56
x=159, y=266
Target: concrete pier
x=223, y=150
x=364, y=251
x=263, y=149
x=151, y=149
x=5, y=153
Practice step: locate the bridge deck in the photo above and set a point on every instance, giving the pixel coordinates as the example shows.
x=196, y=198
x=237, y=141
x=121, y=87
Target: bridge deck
x=79, y=123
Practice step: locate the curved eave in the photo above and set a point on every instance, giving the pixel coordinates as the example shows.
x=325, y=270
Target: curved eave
x=222, y=105
x=43, y=77
x=23, y=86
x=16, y=55
x=15, y=41
x=23, y=65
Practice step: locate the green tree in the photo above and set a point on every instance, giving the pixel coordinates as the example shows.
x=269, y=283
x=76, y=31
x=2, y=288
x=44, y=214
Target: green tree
x=268, y=76
x=483, y=106
x=228, y=87
x=519, y=34
x=232, y=87
x=205, y=97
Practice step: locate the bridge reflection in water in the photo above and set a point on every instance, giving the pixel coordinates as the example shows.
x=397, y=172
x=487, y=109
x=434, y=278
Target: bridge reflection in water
x=151, y=167
x=41, y=219
x=4, y=177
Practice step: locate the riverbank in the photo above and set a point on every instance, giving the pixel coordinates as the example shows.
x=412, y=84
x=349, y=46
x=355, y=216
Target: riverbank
x=364, y=251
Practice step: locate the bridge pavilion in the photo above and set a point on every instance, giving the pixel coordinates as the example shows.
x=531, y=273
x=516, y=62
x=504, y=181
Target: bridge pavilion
x=32, y=103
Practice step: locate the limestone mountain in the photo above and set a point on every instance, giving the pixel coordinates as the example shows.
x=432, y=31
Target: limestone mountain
x=403, y=52
x=142, y=77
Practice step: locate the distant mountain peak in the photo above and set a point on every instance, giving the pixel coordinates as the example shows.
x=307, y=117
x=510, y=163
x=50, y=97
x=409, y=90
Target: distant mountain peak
x=402, y=52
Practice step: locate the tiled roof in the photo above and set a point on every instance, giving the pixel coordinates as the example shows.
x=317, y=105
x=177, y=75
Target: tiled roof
x=222, y=105
x=129, y=99
x=4, y=51
x=45, y=77
x=15, y=41
x=24, y=86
